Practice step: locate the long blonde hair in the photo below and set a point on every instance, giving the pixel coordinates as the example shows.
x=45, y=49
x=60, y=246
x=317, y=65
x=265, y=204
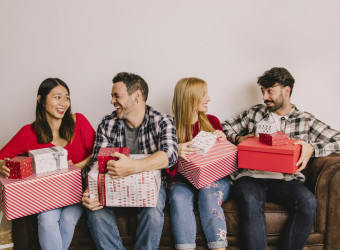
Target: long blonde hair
x=187, y=96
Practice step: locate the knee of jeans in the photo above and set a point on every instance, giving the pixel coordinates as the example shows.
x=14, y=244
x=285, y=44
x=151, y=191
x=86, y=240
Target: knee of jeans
x=308, y=204
x=72, y=215
x=48, y=218
x=251, y=201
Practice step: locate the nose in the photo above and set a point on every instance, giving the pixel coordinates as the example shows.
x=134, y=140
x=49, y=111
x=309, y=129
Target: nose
x=265, y=95
x=113, y=100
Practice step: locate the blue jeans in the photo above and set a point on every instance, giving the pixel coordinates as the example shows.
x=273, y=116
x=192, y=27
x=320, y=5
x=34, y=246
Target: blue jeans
x=56, y=226
x=251, y=195
x=103, y=226
x=183, y=222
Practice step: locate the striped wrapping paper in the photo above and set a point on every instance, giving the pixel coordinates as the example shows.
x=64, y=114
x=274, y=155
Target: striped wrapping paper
x=38, y=193
x=137, y=190
x=218, y=162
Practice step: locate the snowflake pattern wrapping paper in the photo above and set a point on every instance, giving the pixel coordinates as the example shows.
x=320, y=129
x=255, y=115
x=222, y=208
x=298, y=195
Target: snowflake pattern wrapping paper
x=203, y=141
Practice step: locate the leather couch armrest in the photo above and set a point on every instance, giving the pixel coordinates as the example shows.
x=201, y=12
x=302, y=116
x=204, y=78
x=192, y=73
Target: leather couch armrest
x=323, y=178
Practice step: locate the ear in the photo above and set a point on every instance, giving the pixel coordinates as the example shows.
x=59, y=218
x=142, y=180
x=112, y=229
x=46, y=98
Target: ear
x=38, y=98
x=137, y=96
x=287, y=91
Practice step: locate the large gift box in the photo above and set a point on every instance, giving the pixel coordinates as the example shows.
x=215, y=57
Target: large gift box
x=49, y=159
x=38, y=193
x=274, y=139
x=253, y=154
x=20, y=167
x=104, y=155
x=218, y=162
x=137, y=190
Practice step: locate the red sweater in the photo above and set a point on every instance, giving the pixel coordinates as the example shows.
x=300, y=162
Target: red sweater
x=214, y=121
x=26, y=139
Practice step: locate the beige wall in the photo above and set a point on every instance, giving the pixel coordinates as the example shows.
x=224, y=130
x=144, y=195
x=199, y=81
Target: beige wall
x=227, y=43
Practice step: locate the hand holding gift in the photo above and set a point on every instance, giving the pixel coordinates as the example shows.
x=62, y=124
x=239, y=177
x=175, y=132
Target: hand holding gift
x=122, y=166
x=5, y=171
x=90, y=203
x=306, y=153
x=185, y=149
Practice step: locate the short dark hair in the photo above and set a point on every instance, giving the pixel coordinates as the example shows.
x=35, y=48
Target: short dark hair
x=133, y=83
x=42, y=128
x=276, y=75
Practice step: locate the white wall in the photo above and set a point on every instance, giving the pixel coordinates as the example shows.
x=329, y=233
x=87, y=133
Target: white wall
x=227, y=43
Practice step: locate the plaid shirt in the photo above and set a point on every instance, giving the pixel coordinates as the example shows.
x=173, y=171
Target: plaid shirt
x=157, y=132
x=297, y=124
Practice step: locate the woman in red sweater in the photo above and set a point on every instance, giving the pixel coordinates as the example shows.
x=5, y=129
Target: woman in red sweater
x=54, y=126
x=189, y=105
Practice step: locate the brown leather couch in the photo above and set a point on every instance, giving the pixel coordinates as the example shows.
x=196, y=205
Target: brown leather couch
x=323, y=175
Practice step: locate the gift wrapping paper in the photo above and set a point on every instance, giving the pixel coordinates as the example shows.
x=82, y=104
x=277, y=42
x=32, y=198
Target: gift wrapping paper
x=219, y=161
x=38, y=193
x=20, y=167
x=203, y=142
x=104, y=155
x=266, y=127
x=49, y=159
x=275, y=139
x=137, y=190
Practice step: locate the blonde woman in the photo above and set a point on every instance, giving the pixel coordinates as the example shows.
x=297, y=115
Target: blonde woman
x=189, y=105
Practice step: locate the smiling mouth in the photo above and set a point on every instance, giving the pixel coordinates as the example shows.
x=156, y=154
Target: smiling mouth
x=60, y=111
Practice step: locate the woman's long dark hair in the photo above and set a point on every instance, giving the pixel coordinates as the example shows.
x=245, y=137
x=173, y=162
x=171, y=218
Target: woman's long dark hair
x=42, y=128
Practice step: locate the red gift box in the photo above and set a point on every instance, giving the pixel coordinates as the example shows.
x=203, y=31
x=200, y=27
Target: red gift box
x=253, y=154
x=275, y=139
x=20, y=167
x=218, y=162
x=38, y=193
x=104, y=156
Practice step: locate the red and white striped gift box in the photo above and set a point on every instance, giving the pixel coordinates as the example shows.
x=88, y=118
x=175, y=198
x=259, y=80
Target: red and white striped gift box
x=137, y=190
x=218, y=162
x=38, y=193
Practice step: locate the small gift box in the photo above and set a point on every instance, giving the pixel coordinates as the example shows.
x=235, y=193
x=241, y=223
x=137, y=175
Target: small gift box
x=38, y=193
x=266, y=127
x=137, y=190
x=49, y=159
x=275, y=139
x=20, y=167
x=253, y=154
x=220, y=161
x=203, y=141
x=104, y=155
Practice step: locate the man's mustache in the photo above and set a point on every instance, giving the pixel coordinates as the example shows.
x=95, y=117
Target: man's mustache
x=268, y=101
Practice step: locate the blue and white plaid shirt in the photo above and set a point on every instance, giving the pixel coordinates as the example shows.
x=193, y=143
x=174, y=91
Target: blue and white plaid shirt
x=157, y=133
x=297, y=124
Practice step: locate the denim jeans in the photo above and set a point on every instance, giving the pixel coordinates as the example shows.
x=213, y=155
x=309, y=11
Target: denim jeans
x=183, y=222
x=56, y=227
x=251, y=195
x=103, y=226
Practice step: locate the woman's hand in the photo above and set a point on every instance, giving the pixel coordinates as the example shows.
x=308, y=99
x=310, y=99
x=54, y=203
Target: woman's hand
x=3, y=169
x=220, y=135
x=184, y=150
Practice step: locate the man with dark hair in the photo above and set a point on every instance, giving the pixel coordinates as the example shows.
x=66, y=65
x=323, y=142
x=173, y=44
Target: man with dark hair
x=252, y=188
x=145, y=131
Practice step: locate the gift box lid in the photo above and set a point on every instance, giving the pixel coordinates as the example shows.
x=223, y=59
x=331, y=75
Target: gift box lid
x=254, y=144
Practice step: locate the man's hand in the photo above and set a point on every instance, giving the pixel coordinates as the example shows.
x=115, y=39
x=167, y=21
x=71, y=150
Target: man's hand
x=92, y=204
x=243, y=138
x=124, y=166
x=3, y=169
x=220, y=135
x=306, y=154
x=184, y=150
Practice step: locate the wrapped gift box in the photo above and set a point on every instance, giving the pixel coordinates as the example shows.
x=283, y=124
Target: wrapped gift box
x=219, y=161
x=104, y=155
x=275, y=139
x=203, y=142
x=266, y=127
x=38, y=193
x=137, y=190
x=49, y=159
x=20, y=167
x=253, y=154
